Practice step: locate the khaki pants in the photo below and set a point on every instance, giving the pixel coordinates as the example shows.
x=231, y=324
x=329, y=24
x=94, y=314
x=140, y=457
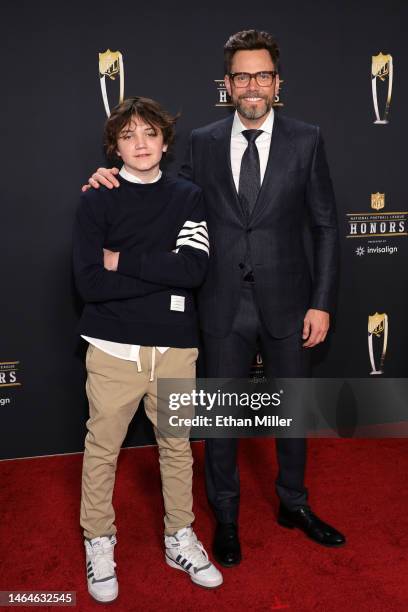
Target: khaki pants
x=115, y=388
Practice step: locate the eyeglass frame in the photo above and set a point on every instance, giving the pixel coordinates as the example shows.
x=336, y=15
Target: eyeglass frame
x=253, y=75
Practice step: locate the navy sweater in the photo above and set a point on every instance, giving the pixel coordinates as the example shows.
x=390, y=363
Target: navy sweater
x=161, y=233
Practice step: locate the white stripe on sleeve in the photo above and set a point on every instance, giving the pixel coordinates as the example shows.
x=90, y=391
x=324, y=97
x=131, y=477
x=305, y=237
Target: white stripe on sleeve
x=194, y=234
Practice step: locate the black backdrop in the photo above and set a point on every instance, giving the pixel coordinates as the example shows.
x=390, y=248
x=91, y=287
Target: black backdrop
x=52, y=117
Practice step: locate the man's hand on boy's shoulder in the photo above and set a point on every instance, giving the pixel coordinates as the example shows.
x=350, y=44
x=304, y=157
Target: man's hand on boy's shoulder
x=103, y=176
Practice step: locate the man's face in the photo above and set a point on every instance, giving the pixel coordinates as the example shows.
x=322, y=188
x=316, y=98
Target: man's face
x=253, y=101
x=141, y=147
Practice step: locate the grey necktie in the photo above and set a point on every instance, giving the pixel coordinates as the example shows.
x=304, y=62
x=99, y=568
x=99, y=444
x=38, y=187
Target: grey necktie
x=250, y=174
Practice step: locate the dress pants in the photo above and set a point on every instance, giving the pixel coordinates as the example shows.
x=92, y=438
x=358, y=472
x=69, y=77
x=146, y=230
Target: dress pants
x=232, y=357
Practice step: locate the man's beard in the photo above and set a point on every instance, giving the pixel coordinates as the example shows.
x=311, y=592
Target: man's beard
x=252, y=112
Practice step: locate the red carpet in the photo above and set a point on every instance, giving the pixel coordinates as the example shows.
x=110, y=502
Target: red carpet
x=361, y=486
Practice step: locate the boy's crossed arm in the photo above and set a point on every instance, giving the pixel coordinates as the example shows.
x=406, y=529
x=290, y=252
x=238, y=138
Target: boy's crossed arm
x=94, y=282
x=185, y=267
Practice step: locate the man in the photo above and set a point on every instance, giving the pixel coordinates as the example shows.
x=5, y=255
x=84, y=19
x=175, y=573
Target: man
x=261, y=173
x=140, y=322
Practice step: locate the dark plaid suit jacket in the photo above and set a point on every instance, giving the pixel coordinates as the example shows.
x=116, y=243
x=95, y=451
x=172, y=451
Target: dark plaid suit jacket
x=296, y=186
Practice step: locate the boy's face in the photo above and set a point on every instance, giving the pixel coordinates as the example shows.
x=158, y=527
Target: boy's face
x=141, y=148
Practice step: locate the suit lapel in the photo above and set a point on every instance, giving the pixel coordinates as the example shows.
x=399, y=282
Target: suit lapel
x=221, y=154
x=281, y=154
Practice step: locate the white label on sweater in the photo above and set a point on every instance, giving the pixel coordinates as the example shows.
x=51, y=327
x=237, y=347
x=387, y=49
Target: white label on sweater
x=177, y=302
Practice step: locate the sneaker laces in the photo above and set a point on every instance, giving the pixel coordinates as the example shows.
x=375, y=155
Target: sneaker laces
x=101, y=553
x=193, y=549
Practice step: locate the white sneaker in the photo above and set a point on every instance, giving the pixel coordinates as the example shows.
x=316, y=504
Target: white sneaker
x=185, y=552
x=100, y=568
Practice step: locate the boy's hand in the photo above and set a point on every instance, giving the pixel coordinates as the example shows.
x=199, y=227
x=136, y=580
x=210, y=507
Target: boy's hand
x=110, y=260
x=103, y=176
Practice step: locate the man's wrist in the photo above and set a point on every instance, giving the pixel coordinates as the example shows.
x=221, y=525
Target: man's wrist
x=319, y=309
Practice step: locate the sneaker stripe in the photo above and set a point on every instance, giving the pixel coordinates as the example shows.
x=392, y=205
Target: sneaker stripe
x=103, y=579
x=188, y=566
x=178, y=558
x=183, y=562
x=200, y=569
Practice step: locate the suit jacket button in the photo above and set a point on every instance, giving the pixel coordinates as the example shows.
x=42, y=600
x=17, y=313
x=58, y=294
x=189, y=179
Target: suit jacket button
x=249, y=230
x=241, y=266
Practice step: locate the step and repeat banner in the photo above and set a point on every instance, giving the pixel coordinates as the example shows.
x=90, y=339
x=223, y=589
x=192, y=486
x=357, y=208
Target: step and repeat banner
x=344, y=68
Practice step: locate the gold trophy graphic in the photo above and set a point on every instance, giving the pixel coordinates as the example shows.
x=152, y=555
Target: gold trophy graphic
x=377, y=200
x=111, y=65
x=381, y=69
x=377, y=326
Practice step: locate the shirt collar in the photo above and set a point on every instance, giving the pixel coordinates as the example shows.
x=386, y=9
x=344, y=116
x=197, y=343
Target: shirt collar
x=238, y=127
x=135, y=179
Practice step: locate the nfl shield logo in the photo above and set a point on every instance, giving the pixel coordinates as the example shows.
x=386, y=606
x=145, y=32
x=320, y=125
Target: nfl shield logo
x=377, y=200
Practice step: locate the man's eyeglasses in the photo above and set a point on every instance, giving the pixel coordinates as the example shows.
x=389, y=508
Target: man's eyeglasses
x=242, y=79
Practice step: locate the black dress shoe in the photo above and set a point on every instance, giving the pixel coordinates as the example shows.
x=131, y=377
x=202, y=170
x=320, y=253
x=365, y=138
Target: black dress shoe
x=226, y=546
x=314, y=528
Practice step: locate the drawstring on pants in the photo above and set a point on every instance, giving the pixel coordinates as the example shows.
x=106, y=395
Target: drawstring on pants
x=139, y=365
x=153, y=366
x=153, y=363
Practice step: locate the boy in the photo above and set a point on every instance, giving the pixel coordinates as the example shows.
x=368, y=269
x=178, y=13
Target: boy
x=138, y=253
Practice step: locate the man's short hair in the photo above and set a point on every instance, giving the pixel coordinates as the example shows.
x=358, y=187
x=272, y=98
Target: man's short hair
x=249, y=40
x=146, y=109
